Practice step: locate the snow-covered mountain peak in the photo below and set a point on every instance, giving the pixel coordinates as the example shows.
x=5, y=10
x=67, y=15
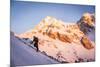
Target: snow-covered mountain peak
x=88, y=18
x=87, y=25
x=49, y=19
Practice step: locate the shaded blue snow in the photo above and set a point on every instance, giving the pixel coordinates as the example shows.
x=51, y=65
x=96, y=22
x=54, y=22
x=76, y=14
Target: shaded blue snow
x=22, y=55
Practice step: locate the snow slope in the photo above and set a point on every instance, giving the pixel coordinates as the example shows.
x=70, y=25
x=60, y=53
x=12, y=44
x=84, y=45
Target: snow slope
x=22, y=55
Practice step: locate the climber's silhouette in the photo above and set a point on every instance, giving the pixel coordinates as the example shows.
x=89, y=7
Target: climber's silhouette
x=35, y=39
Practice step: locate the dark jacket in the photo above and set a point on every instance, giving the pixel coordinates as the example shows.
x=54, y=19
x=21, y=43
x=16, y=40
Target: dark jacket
x=36, y=41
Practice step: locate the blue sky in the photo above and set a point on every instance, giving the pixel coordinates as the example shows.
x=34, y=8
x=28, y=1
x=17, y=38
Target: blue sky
x=25, y=15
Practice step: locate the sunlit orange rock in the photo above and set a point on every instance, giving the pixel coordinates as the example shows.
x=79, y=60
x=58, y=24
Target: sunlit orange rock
x=86, y=43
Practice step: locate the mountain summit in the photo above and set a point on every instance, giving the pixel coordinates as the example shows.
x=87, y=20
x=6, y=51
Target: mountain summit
x=87, y=25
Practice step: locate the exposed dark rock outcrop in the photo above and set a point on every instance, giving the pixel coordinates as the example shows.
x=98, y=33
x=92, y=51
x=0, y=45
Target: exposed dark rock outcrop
x=86, y=43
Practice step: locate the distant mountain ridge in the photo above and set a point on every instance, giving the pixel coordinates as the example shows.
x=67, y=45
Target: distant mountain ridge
x=50, y=24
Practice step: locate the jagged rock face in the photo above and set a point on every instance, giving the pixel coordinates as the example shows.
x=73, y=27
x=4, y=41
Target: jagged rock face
x=86, y=43
x=53, y=35
x=64, y=38
x=87, y=23
x=61, y=37
x=89, y=19
x=57, y=29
